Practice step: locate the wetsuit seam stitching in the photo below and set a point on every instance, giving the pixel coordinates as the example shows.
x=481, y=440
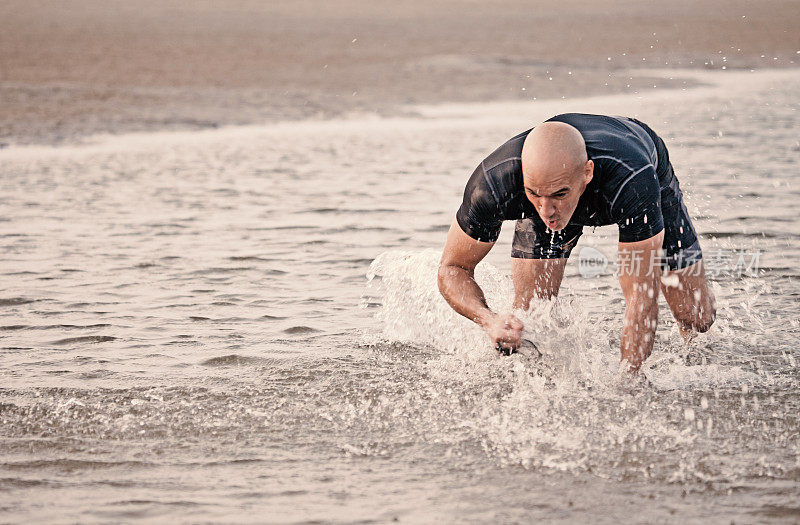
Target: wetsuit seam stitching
x=618, y=161
x=647, y=131
x=490, y=184
x=626, y=181
x=615, y=159
x=485, y=169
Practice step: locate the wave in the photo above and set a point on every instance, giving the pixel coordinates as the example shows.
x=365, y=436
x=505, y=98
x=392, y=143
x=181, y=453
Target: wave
x=232, y=360
x=71, y=464
x=53, y=327
x=15, y=301
x=85, y=339
x=297, y=330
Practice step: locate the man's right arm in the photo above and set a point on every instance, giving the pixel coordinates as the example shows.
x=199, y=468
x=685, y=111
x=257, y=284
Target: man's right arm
x=457, y=284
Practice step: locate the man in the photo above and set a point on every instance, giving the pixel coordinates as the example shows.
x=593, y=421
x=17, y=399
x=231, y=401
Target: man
x=571, y=171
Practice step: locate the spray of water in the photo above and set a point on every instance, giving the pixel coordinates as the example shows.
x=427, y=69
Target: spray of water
x=569, y=408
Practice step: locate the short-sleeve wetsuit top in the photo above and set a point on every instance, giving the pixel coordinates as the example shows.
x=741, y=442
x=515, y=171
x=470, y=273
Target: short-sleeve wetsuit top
x=626, y=188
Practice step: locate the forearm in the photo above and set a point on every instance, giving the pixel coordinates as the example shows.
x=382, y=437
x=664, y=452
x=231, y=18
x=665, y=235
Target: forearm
x=459, y=288
x=638, y=330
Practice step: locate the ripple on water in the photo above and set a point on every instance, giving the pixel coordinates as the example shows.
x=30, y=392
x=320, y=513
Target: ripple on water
x=250, y=258
x=84, y=339
x=15, y=301
x=70, y=464
x=55, y=327
x=234, y=360
x=300, y=330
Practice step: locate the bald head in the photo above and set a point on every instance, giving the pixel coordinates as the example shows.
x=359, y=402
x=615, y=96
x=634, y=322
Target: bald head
x=552, y=150
x=555, y=171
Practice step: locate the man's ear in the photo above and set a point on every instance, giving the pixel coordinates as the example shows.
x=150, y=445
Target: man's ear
x=588, y=171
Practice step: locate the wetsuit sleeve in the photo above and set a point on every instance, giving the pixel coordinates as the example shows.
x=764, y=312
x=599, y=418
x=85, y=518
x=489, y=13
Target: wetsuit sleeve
x=479, y=215
x=637, y=206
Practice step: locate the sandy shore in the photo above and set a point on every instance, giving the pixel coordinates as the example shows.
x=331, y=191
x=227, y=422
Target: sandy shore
x=76, y=67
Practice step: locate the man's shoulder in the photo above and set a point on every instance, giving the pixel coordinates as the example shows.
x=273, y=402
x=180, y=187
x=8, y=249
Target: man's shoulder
x=509, y=152
x=588, y=120
x=616, y=141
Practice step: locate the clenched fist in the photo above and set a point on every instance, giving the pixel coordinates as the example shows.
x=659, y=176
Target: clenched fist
x=505, y=331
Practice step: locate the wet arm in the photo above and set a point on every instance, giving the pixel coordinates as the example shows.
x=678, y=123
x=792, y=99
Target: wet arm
x=456, y=277
x=639, y=276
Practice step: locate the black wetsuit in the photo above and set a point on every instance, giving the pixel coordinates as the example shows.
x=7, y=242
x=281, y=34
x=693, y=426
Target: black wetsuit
x=633, y=186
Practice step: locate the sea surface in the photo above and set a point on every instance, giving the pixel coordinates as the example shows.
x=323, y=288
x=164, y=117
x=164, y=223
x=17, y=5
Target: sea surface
x=243, y=325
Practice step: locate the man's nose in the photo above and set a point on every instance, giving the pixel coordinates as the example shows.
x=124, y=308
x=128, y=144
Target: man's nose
x=546, y=208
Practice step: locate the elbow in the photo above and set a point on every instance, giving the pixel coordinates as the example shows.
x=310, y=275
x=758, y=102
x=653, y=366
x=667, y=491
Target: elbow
x=441, y=277
x=445, y=276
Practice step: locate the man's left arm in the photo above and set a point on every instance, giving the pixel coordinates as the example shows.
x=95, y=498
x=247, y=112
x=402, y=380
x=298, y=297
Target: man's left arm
x=639, y=277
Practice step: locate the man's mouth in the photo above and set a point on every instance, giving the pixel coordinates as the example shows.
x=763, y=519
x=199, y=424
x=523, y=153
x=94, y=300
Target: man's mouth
x=551, y=223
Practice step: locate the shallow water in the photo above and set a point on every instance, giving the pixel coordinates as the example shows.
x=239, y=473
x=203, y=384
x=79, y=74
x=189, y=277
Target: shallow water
x=243, y=325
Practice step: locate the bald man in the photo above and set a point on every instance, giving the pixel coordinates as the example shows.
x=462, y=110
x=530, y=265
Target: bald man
x=577, y=170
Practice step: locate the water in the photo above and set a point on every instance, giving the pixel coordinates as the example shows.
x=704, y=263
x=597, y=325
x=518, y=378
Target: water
x=243, y=325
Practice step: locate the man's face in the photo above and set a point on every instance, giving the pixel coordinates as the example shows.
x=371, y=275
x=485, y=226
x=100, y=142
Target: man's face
x=555, y=195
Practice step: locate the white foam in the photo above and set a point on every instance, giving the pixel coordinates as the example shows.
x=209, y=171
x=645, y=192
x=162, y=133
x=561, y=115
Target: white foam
x=580, y=347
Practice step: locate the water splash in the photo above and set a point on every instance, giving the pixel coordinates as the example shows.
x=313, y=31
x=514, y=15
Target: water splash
x=567, y=409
